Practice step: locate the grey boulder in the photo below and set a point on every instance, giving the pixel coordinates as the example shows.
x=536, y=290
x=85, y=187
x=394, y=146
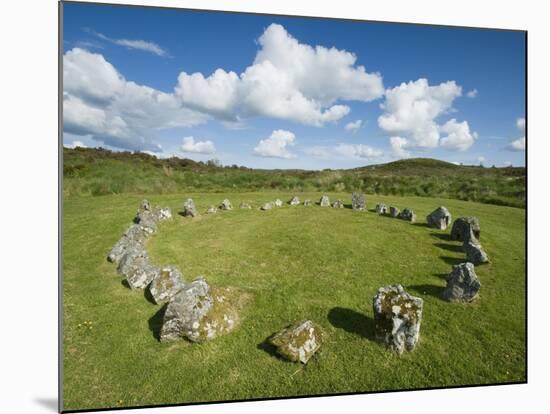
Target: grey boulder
x=189, y=209
x=278, y=203
x=440, y=218
x=226, y=205
x=461, y=228
x=381, y=209
x=325, y=201
x=462, y=284
x=307, y=202
x=136, y=267
x=408, y=214
x=245, y=205
x=358, y=201
x=267, y=206
x=338, y=204
x=211, y=210
x=394, y=212
x=298, y=341
x=294, y=201
x=166, y=284
x=132, y=237
x=397, y=318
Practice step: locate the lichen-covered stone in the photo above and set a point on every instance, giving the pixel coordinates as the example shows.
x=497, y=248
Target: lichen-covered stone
x=408, y=214
x=136, y=267
x=226, y=205
x=294, y=201
x=461, y=228
x=145, y=205
x=189, y=209
x=267, y=206
x=338, y=204
x=440, y=218
x=397, y=318
x=211, y=210
x=462, y=284
x=166, y=284
x=199, y=313
x=245, y=205
x=278, y=203
x=382, y=209
x=394, y=212
x=163, y=213
x=358, y=201
x=325, y=201
x=133, y=236
x=298, y=341
x=307, y=202
x=146, y=219
x=475, y=253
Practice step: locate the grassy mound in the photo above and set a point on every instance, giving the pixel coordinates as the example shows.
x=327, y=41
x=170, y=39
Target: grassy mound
x=295, y=263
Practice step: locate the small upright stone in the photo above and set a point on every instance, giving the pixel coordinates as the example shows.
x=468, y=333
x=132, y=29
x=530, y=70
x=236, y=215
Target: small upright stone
x=189, y=209
x=394, y=212
x=397, y=318
x=307, y=202
x=358, y=201
x=408, y=214
x=382, y=209
x=294, y=201
x=338, y=204
x=245, y=205
x=146, y=218
x=267, y=206
x=211, y=210
x=166, y=284
x=440, y=218
x=298, y=341
x=278, y=203
x=461, y=228
x=226, y=205
x=324, y=202
x=462, y=284
x=145, y=205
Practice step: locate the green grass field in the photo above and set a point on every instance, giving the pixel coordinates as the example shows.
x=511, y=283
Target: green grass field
x=297, y=262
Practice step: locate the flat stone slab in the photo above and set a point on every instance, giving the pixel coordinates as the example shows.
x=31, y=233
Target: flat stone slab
x=462, y=284
x=440, y=218
x=298, y=342
x=166, y=284
x=397, y=318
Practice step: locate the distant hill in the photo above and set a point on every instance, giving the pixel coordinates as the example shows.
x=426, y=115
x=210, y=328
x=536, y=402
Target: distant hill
x=99, y=171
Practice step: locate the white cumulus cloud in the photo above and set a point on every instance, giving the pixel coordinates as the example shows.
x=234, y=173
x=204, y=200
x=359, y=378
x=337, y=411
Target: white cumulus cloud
x=472, y=93
x=198, y=147
x=358, y=151
x=459, y=137
x=520, y=124
x=412, y=108
x=517, y=145
x=288, y=80
x=353, y=126
x=276, y=146
x=399, y=147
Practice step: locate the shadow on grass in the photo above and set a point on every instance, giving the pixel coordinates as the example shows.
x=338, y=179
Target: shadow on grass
x=449, y=247
x=420, y=224
x=148, y=297
x=155, y=322
x=452, y=260
x=125, y=283
x=441, y=236
x=352, y=321
x=441, y=275
x=431, y=290
x=266, y=346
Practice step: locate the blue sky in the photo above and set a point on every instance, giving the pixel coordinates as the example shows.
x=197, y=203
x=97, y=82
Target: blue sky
x=287, y=92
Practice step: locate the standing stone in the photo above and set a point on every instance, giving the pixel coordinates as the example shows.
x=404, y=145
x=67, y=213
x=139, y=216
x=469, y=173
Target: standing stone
x=198, y=313
x=474, y=252
x=189, y=209
x=137, y=268
x=324, y=202
x=307, y=202
x=358, y=201
x=164, y=213
x=146, y=218
x=167, y=284
x=245, y=205
x=382, y=209
x=211, y=210
x=298, y=341
x=226, y=205
x=440, y=218
x=462, y=284
x=267, y=206
x=408, y=214
x=338, y=204
x=145, y=205
x=461, y=228
x=133, y=236
x=397, y=318
x=394, y=212
x=278, y=203
x=294, y=201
